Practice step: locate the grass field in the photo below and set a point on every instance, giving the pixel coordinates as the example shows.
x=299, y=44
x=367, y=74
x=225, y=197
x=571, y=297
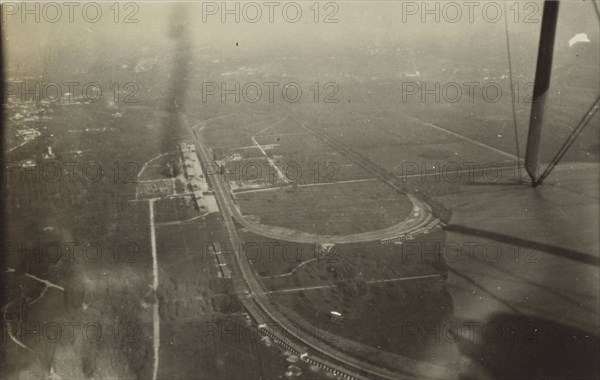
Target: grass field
x=377, y=288
x=368, y=262
x=101, y=283
x=298, y=154
x=271, y=257
x=375, y=316
x=337, y=209
x=180, y=209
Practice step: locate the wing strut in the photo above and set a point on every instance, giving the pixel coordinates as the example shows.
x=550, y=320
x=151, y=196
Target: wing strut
x=543, y=73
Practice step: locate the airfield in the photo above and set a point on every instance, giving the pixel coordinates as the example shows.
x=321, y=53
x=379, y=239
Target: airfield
x=370, y=237
x=427, y=278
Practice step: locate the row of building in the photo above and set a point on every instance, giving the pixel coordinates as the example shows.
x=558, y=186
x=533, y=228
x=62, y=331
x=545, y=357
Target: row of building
x=203, y=196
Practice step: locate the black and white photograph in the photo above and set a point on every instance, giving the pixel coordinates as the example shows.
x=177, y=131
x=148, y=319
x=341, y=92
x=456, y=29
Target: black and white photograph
x=300, y=190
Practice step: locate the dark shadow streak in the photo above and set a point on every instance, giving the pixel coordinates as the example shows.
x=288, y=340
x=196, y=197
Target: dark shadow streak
x=171, y=128
x=516, y=241
x=507, y=184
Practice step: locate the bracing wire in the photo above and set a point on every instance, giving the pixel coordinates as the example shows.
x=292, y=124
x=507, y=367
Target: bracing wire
x=586, y=118
x=512, y=94
x=596, y=8
x=567, y=144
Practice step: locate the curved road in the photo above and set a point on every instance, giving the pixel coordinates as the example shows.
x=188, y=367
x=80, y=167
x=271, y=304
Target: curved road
x=420, y=220
x=260, y=306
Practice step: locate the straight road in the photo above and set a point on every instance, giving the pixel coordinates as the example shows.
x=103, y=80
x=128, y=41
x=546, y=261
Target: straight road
x=260, y=306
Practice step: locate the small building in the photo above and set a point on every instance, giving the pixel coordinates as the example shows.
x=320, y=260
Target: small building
x=335, y=316
x=28, y=164
x=28, y=132
x=49, y=154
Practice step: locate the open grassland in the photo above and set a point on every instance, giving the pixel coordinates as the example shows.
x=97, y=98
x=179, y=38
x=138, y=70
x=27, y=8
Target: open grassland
x=337, y=209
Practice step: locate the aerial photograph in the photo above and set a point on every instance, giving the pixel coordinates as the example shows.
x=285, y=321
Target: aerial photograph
x=310, y=190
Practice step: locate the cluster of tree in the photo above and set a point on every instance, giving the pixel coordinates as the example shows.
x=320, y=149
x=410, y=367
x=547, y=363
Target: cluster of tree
x=172, y=168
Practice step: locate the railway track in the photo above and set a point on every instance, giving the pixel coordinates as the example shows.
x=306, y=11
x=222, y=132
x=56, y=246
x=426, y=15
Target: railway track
x=387, y=177
x=263, y=312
